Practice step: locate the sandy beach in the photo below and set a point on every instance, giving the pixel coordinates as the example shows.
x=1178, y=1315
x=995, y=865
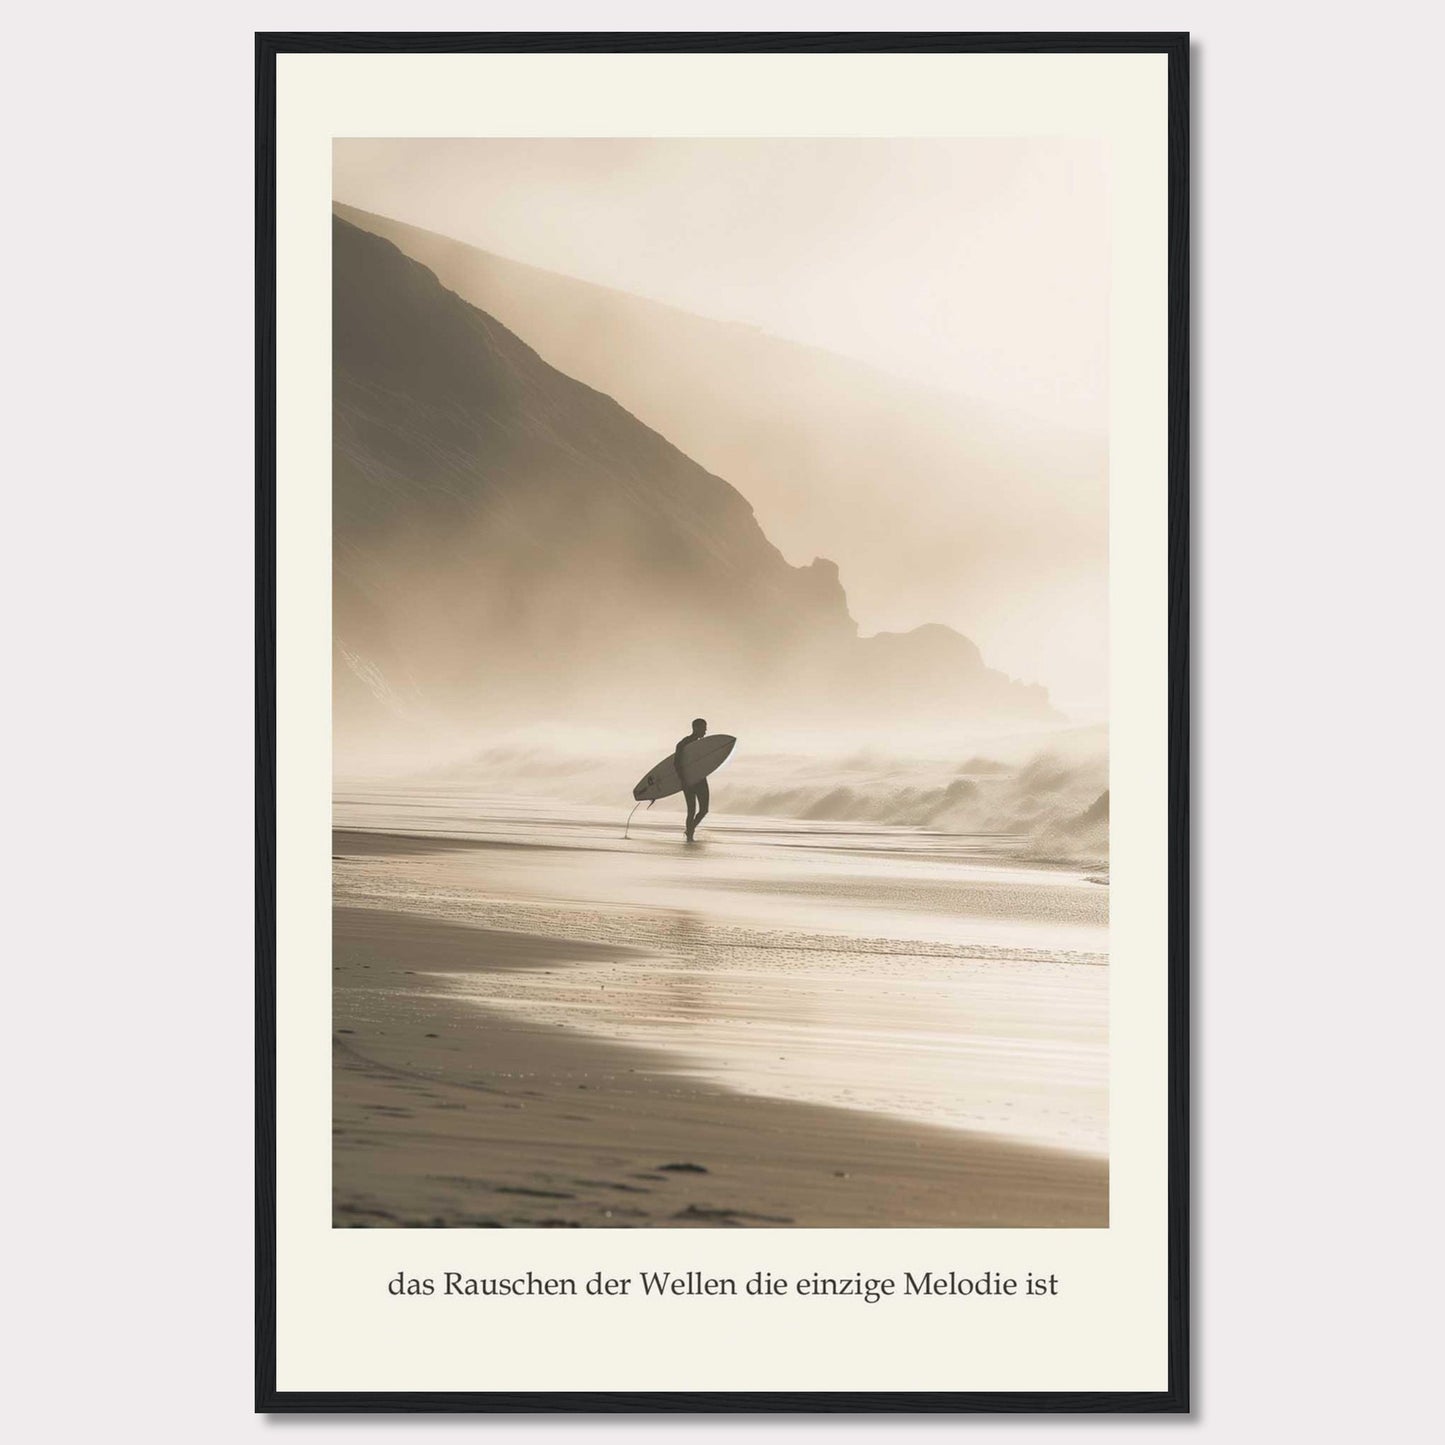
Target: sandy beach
x=539, y=1023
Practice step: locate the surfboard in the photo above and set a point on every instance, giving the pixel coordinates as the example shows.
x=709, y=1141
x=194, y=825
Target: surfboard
x=699, y=758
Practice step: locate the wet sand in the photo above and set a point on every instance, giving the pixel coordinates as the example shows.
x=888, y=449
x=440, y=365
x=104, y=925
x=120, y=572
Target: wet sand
x=539, y=1025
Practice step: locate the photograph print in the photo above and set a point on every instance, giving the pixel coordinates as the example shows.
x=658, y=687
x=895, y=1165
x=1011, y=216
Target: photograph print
x=720, y=697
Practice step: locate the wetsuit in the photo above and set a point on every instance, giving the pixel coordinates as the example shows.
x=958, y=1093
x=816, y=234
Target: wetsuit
x=695, y=793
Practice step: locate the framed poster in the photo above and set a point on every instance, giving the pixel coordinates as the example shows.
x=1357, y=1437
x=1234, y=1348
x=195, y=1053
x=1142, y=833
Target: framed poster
x=722, y=594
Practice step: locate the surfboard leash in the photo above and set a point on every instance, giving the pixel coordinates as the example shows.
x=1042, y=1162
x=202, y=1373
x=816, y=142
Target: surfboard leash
x=635, y=807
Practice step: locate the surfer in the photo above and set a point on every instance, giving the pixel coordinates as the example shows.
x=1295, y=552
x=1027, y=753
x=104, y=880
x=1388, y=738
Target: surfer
x=695, y=793
x=705, y=754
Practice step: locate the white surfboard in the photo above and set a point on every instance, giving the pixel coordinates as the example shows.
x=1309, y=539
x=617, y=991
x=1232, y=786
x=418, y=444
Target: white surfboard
x=699, y=758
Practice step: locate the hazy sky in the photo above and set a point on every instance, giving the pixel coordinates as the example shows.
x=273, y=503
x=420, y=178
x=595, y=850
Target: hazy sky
x=978, y=266
x=975, y=265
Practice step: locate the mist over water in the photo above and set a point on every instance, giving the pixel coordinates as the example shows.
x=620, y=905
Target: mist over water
x=1041, y=793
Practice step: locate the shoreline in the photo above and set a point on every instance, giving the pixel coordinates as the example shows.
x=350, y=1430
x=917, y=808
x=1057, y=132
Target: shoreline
x=448, y=1113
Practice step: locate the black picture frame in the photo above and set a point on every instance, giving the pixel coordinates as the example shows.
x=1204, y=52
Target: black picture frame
x=1172, y=1399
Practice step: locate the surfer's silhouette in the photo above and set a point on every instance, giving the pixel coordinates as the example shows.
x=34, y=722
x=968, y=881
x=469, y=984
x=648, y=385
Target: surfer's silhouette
x=695, y=793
